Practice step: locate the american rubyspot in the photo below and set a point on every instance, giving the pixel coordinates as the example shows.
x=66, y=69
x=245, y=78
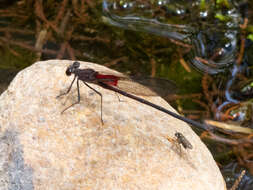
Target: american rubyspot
x=116, y=84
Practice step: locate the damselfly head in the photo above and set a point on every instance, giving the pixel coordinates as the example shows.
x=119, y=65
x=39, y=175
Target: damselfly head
x=72, y=68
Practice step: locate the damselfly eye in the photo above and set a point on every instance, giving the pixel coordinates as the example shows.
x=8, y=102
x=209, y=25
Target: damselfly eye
x=68, y=72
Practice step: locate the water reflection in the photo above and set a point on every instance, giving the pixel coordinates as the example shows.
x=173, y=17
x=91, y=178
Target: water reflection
x=214, y=50
x=211, y=30
x=232, y=171
x=132, y=20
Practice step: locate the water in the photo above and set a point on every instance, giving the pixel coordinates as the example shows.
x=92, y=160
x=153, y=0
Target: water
x=213, y=40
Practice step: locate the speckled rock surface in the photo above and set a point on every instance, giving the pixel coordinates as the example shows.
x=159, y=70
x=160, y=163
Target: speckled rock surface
x=40, y=148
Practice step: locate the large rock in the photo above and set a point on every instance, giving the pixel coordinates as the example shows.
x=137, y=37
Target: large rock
x=44, y=149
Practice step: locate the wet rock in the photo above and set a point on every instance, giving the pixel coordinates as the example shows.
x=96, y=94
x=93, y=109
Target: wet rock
x=44, y=149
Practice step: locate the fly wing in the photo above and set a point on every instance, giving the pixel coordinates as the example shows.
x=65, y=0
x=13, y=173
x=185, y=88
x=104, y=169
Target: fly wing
x=147, y=86
x=186, y=144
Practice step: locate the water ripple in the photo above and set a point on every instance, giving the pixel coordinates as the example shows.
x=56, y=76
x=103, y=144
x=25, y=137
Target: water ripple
x=210, y=30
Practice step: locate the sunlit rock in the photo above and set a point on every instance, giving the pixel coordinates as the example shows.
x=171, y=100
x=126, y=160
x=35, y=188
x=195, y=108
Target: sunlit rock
x=44, y=149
